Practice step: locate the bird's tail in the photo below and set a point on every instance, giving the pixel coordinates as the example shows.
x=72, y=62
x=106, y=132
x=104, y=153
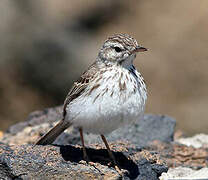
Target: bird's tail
x=51, y=136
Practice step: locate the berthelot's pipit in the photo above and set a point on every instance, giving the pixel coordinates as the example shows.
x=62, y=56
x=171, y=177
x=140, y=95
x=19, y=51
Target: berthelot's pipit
x=109, y=94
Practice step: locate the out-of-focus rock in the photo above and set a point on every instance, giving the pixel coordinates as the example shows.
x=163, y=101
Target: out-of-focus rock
x=197, y=141
x=147, y=129
x=49, y=115
x=185, y=173
x=181, y=155
x=178, y=134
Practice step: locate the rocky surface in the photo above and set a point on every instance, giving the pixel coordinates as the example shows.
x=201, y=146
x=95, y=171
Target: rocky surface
x=176, y=155
x=66, y=162
x=143, y=150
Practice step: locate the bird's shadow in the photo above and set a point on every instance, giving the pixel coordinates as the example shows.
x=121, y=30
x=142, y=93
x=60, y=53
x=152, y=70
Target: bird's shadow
x=75, y=154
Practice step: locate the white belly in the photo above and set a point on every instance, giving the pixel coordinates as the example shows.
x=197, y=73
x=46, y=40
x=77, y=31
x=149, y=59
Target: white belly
x=110, y=105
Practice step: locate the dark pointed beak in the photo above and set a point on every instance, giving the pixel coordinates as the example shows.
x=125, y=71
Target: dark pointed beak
x=140, y=49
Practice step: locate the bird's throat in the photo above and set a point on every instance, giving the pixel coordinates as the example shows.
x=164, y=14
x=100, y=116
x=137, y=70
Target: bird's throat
x=126, y=63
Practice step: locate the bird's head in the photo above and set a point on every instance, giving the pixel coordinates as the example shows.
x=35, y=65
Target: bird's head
x=120, y=49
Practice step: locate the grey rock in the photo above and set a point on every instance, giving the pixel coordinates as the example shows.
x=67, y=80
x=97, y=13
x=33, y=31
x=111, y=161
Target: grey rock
x=151, y=127
x=65, y=162
x=48, y=115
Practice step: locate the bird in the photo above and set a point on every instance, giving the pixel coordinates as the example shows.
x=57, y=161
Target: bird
x=111, y=93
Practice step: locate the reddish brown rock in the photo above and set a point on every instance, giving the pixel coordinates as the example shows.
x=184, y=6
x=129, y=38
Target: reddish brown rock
x=180, y=155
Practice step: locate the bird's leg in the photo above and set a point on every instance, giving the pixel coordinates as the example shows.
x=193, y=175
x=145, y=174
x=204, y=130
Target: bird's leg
x=110, y=153
x=86, y=158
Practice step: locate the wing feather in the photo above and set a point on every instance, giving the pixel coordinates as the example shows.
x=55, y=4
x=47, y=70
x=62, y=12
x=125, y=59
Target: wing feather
x=80, y=85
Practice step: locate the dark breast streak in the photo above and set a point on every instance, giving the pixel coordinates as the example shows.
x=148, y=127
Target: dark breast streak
x=132, y=70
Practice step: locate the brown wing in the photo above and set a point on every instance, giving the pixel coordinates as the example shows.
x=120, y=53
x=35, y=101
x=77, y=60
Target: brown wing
x=80, y=85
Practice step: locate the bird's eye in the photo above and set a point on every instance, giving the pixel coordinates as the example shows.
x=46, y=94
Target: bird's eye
x=117, y=49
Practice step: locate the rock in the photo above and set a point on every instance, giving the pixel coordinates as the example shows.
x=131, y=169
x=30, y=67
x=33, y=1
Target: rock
x=142, y=132
x=197, y=141
x=66, y=162
x=37, y=123
x=64, y=159
x=185, y=173
x=180, y=155
x=151, y=127
x=143, y=150
x=48, y=115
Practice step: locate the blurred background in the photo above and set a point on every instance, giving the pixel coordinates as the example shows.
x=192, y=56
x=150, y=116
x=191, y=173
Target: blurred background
x=46, y=45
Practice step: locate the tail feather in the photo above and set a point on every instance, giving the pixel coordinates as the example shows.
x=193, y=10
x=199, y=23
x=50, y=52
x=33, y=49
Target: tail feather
x=51, y=136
